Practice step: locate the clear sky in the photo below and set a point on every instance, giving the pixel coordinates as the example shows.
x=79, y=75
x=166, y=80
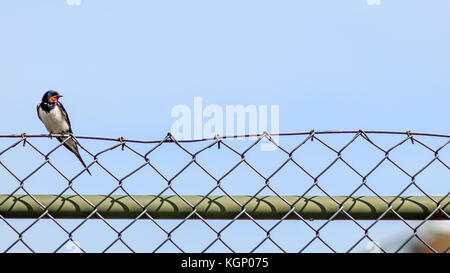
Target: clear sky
x=123, y=65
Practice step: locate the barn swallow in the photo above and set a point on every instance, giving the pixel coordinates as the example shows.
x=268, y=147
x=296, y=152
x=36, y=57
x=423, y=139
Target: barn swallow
x=52, y=113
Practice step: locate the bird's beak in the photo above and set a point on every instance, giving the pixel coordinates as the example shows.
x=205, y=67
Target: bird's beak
x=59, y=96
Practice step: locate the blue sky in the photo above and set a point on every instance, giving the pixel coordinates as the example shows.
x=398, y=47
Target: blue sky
x=123, y=65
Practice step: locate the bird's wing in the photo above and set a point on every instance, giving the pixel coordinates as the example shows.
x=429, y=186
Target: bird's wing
x=37, y=109
x=66, y=116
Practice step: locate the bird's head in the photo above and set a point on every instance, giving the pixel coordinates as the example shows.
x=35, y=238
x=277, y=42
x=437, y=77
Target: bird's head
x=51, y=97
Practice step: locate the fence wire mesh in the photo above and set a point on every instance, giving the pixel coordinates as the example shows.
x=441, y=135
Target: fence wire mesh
x=338, y=165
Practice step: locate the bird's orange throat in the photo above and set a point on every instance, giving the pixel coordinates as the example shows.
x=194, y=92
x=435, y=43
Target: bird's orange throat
x=53, y=99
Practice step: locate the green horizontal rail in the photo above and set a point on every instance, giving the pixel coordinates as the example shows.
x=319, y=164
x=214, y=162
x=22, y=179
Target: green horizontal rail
x=222, y=207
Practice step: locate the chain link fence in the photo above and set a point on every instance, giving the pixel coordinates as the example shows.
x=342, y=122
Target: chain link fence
x=327, y=191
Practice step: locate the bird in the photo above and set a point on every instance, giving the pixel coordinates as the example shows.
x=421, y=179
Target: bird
x=56, y=120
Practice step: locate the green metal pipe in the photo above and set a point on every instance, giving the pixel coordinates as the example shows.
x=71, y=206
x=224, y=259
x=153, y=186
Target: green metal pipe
x=221, y=207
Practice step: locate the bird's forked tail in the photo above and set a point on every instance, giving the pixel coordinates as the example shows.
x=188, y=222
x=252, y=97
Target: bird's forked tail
x=72, y=146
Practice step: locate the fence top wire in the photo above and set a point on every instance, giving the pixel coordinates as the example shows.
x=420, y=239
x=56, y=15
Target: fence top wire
x=312, y=132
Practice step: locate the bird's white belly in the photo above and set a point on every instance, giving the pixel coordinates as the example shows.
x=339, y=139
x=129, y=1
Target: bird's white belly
x=54, y=121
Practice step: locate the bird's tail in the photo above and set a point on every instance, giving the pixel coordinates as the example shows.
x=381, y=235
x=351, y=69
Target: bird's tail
x=72, y=146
